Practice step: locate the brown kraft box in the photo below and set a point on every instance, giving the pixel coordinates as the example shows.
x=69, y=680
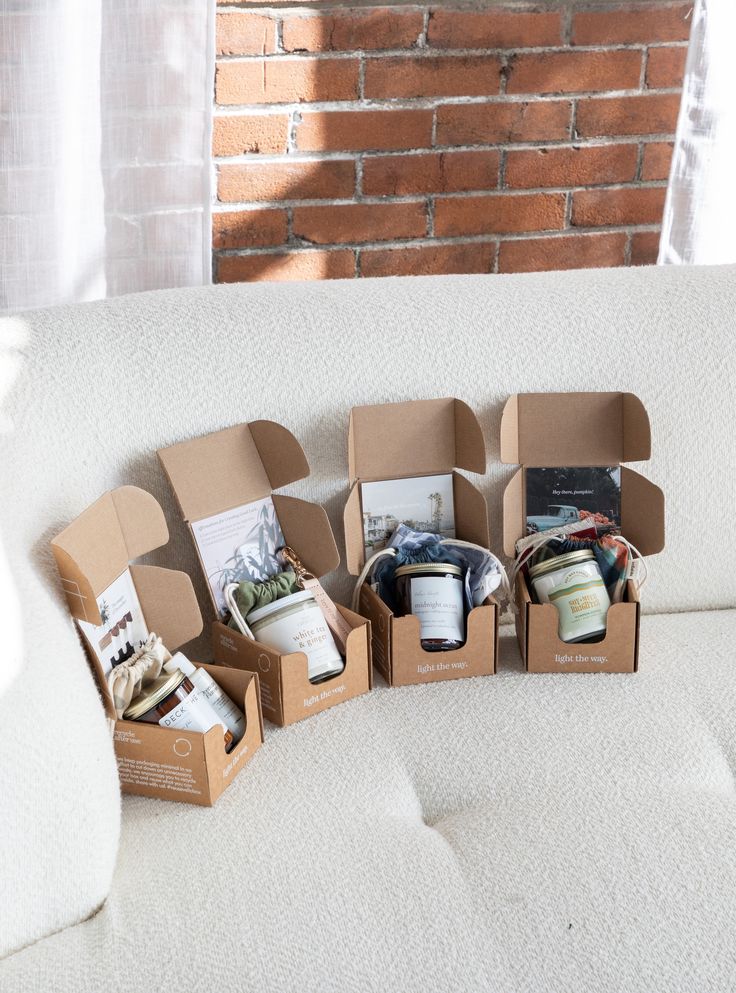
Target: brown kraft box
x=399, y=441
x=580, y=429
x=237, y=466
x=92, y=552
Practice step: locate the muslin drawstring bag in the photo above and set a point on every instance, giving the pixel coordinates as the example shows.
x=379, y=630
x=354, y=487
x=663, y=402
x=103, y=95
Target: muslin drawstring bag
x=127, y=680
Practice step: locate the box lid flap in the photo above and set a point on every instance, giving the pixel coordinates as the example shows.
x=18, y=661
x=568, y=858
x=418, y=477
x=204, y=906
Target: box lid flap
x=169, y=604
x=307, y=529
x=232, y=467
x=97, y=547
x=414, y=438
x=574, y=429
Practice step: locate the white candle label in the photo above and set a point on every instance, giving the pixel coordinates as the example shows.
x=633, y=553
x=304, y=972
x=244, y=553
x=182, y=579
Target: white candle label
x=191, y=714
x=438, y=603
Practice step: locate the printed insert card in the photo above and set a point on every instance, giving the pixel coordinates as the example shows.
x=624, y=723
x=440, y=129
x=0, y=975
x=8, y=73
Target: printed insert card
x=123, y=629
x=559, y=496
x=424, y=503
x=239, y=544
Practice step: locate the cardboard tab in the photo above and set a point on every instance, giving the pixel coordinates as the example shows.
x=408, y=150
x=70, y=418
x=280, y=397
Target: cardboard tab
x=232, y=467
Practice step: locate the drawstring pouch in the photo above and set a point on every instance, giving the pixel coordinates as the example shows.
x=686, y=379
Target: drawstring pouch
x=484, y=573
x=128, y=679
x=248, y=595
x=618, y=560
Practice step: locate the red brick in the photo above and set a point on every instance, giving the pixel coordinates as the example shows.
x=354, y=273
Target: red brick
x=577, y=251
x=629, y=205
x=428, y=260
x=353, y=30
x=480, y=123
x=574, y=72
x=499, y=214
x=286, y=80
x=245, y=33
x=325, y=180
x=632, y=25
x=432, y=75
x=357, y=222
x=665, y=67
x=450, y=28
x=644, y=247
x=363, y=130
x=654, y=113
x=596, y=164
x=249, y=228
x=656, y=161
x=438, y=172
x=280, y=266
x=250, y=133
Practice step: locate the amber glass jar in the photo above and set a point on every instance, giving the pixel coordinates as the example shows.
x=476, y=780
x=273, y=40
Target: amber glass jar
x=435, y=593
x=173, y=701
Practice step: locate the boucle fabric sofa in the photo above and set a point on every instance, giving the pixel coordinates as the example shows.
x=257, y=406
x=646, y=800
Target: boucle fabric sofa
x=514, y=833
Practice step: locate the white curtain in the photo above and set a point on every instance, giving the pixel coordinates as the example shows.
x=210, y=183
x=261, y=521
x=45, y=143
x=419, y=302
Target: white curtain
x=699, y=222
x=105, y=117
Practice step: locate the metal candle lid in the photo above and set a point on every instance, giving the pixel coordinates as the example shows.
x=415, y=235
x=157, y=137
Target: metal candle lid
x=276, y=605
x=156, y=691
x=435, y=568
x=560, y=562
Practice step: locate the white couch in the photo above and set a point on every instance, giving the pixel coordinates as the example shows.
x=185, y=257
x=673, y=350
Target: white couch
x=571, y=834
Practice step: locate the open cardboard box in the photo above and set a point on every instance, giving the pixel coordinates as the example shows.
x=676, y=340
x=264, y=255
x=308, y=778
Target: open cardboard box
x=218, y=472
x=580, y=429
x=93, y=552
x=399, y=441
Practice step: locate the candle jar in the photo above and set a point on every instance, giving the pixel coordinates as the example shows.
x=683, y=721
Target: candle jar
x=435, y=593
x=574, y=584
x=295, y=623
x=173, y=701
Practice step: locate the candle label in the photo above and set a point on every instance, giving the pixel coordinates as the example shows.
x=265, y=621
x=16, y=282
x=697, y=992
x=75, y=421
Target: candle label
x=438, y=603
x=193, y=713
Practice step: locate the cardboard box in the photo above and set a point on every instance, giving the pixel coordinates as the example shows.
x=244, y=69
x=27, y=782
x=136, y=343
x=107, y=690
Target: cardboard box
x=94, y=551
x=401, y=441
x=580, y=429
x=218, y=472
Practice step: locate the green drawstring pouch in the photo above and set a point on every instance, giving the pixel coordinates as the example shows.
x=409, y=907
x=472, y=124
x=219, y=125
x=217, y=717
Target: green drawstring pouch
x=249, y=595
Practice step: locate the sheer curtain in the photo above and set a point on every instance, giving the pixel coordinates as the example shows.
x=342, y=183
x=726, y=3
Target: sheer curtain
x=105, y=117
x=699, y=222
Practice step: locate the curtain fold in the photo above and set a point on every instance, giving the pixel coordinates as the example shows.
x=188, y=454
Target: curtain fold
x=700, y=211
x=105, y=127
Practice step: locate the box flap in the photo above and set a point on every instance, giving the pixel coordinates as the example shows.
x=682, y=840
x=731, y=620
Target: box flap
x=96, y=547
x=415, y=438
x=513, y=513
x=642, y=512
x=574, y=429
x=232, y=467
x=307, y=530
x=169, y=604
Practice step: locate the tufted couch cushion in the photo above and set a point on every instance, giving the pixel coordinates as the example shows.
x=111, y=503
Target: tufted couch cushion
x=515, y=832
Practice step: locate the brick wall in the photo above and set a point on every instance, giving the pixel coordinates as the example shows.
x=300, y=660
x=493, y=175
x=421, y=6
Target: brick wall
x=373, y=141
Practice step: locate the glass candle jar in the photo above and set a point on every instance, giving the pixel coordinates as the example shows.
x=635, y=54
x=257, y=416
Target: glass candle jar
x=573, y=583
x=296, y=624
x=173, y=701
x=435, y=593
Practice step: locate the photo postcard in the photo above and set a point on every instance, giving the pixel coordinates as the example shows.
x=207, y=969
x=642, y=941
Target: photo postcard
x=559, y=496
x=424, y=503
x=239, y=544
x=123, y=629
